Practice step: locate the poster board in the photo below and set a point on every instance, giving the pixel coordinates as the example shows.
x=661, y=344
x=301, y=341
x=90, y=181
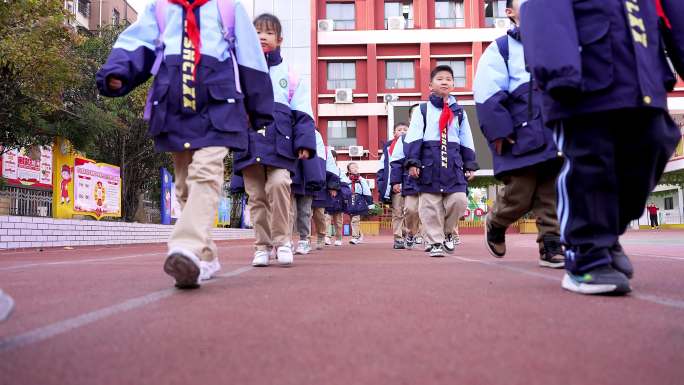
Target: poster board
x=18, y=169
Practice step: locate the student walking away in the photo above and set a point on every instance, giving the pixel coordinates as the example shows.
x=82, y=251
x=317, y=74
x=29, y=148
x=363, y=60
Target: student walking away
x=360, y=202
x=392, y=193
x=210, y=85
x=339, y=198
x=309, y=179
x=607, y=101
x=653, y=214
x=321, y=197
x=440, y=153
x=270, y=158
x=525, y=155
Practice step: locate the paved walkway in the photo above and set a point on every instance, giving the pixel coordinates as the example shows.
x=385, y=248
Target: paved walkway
x=349, y=315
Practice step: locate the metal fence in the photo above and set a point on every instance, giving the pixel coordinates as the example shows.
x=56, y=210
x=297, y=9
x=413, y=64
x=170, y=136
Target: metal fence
x=28, y=202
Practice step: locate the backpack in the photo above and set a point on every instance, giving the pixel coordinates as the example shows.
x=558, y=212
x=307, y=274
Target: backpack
x=502, y=44
x=226, y=9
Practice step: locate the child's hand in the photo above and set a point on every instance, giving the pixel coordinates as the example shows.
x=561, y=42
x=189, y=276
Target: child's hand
x=414, y=172
x=114, y=83
x=498, y=144
x=333, y=193
x=304, y=153
x=470, y=175
x=396, y=188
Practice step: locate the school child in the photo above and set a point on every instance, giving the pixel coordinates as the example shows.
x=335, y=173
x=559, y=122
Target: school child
x=607, y=101
x=308, y=180
x=321, y=220
x=439, y=152
x=525, y=156
x=339, y=199
x=392, y=194
x=271, y=156
x=211, y=83
x=361, y=200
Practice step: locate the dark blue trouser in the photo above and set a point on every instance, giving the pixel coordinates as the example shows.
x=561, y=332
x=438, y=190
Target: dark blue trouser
x=613, y=160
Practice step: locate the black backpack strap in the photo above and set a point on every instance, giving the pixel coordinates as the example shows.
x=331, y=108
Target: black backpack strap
x=502, y=44
x=423, y=111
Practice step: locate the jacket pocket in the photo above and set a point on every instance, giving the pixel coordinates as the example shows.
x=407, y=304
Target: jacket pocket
x=226, y=110
x=426, y=170
x=529, y=132
x=159, y=109
x=593, y=29
x=284, y=141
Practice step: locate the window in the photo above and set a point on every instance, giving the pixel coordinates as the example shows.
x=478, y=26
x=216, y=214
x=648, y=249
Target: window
x=399, y=74
x=341, y=75
x=342, y=15
x=459, y=68
x=669, y=203
x=449, y=14
x=403, y=8
x=342, y=133
x=494, y=9
x=84, y=7
x=116, y=17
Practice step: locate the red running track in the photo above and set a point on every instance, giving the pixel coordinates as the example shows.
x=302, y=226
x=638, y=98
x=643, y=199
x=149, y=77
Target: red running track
x=349, y=315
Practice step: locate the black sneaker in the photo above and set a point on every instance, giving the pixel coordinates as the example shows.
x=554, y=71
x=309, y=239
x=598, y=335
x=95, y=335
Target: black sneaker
x=449, y=244
x=621, y=261
x=552, y=255
x=495, y=239
x=437, y=251
x=398, y=244
x=409, y=242
x=601, y=280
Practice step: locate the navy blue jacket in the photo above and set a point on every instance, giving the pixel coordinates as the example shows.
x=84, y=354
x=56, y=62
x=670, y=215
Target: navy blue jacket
x=237, y=185
x=360, y=198
x=400, y=175
x=600, y=55
x=310, y=176
x=384, y=174
x=322, y=198
x=294, y=128
x=340, y=183
x=502, y=96
x=211, y=110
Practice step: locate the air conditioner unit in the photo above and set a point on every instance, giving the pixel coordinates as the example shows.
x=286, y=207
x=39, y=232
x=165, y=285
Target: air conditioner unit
x=344, y=95
x=396, y=22
x=391, y=98
x=502, y=22
x=326, y=25
x=356, y=151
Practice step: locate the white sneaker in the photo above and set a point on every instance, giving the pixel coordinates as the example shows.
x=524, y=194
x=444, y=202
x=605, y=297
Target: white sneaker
x=6, y=306
x=261, y=258
x=285, y=257
x=328, y=241
x=356, y=241
x=303, y=248
x=208, y=269
x=419, y=240
x=338, y=242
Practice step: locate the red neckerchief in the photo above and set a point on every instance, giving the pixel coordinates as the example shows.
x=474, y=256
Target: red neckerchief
x=391, y=148
x=661, y=13
x=193, y=30
x=445, y=119
x=353, y=178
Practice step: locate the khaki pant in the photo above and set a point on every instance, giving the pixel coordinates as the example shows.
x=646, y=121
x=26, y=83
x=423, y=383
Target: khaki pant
x=532, y=188
x=300, y=216
x=199, y=180
x=356, y=226
x=398, y=222
x=411, y=216
x=336, y=221
x=269, y=201
x=439, y=214
x=320, y=221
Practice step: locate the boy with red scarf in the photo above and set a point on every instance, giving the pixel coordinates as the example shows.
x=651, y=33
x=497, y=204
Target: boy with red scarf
x=440, y=154
x=361, y=200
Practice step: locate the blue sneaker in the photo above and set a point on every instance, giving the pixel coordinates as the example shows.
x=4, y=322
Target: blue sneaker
x=601, y=280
